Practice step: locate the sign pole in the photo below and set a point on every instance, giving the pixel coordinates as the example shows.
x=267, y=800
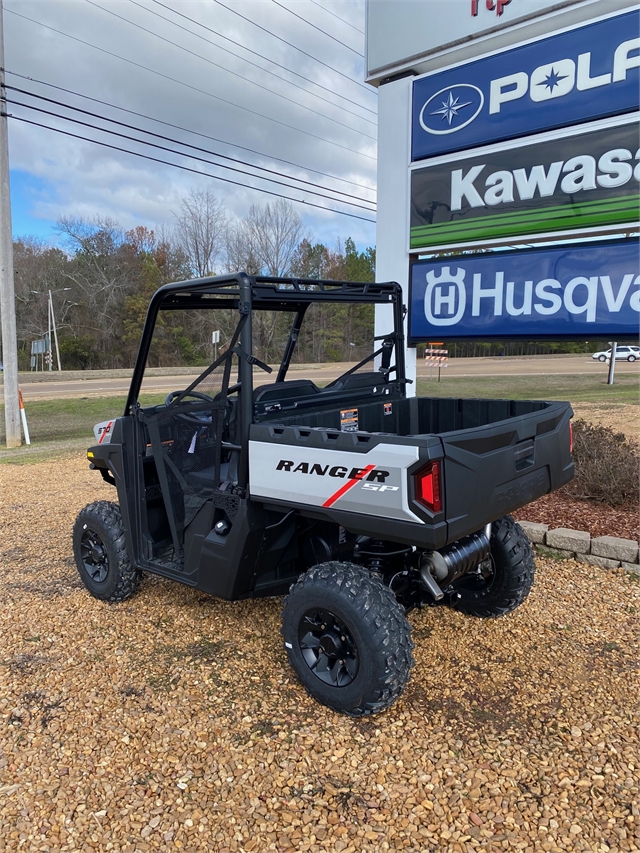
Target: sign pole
x=612, y=361
x=394, y=200
x=7, y=293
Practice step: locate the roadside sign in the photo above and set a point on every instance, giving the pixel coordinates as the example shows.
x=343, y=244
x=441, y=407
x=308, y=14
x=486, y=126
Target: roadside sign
x=436, y=357
x=585, y=73
x=586, y=290
x=581, y=180
x=400, y=30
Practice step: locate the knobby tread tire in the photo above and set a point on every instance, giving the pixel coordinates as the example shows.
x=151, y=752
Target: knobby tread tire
x=514, y=570
x=105, y=518
x=386, y=635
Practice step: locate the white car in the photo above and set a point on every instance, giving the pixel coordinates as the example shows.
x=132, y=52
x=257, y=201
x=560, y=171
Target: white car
x=625, y=353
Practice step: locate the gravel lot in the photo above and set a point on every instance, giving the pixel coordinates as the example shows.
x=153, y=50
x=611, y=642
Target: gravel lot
x=173, y=722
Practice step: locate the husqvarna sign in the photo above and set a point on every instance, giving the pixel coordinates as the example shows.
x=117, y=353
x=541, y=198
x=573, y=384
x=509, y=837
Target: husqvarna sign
x=585, y=73
x=572, y=291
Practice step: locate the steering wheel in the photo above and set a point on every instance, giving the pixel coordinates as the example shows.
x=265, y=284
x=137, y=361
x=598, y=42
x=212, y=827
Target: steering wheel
x=197, y=394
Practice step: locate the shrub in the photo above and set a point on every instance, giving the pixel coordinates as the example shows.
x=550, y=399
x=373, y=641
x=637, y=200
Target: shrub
x=607, y=465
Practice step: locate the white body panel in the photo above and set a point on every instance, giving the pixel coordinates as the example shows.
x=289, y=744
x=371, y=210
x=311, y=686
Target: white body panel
x=322, y=474
x=103, y=430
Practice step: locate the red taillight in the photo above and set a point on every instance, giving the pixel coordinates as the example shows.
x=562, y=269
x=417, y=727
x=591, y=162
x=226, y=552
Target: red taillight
x=428, y=487
x=570, y=437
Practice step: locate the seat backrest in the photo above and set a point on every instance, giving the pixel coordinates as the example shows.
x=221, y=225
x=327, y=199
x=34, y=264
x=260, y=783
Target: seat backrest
x=274, y=397
x=371, y=379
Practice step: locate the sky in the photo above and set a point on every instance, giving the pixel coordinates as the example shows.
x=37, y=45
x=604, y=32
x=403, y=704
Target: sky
x=274, y=83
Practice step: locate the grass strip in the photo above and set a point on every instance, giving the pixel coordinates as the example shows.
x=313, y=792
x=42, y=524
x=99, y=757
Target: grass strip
x=587, y=388
x=72, y=420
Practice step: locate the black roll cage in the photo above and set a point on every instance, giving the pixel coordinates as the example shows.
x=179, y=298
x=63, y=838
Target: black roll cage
x=246, y=293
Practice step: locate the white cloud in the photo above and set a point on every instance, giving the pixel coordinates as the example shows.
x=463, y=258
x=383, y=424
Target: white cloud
x=88, y=180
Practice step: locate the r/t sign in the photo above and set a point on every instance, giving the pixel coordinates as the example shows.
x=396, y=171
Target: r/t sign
x=496, y=6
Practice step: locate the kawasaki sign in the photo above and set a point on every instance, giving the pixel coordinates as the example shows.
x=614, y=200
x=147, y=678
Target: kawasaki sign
x=588, y=180
x=573, y=291
x=575, y=76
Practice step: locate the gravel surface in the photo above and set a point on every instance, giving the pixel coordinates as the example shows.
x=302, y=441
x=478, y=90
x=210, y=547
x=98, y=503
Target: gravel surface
x=172, y=722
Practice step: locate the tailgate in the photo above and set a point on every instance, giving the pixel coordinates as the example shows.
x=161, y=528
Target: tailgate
x=495, y=469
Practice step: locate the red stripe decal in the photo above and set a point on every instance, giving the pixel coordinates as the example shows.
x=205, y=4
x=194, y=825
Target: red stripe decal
x=104, y=432
x=345, y=488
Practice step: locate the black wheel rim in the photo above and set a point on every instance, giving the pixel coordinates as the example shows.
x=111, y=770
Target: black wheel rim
x=328, y=647
x=479, y=579
x=94, y=556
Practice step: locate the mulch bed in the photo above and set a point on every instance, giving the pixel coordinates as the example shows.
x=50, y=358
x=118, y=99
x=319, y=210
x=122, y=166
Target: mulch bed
x=559, y=509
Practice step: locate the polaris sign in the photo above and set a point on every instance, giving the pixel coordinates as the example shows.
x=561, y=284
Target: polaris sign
x=574, y=291
x=586, y=73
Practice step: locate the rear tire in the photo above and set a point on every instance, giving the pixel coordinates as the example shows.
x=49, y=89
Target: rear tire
x=502, y=583
x=100, y=552
x=631, y=358
x=347, y=639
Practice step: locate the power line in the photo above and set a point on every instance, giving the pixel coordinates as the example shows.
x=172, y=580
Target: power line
x=234, y=73
x=187, y=130
x=295, y=47
x=186, y=85
x=187, y=169
x=173, y=151
x=320, y=30
x=329, y=12
x=254, y=53
x=176, y=142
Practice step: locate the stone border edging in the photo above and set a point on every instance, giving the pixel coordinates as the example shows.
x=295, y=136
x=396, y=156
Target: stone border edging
x=608, y=552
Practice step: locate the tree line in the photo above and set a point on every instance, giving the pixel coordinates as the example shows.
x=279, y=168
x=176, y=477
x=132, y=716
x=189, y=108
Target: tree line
x=102, y=277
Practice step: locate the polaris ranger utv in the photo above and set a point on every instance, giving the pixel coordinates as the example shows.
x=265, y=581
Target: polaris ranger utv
x=357, y=501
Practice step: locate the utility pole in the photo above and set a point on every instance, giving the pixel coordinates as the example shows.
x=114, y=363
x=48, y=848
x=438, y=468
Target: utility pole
x=55, y=330
x=7, y=297
x=49, y=339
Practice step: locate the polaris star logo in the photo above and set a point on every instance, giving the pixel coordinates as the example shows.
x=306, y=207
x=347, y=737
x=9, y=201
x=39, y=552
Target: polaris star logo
x=451, y=109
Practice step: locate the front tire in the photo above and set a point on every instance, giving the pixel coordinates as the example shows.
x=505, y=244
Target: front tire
x=347, y=639
x=502, y=582
x=100, y=552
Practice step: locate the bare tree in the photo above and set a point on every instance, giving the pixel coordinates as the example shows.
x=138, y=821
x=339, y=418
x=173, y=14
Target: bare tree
x=101, y=270
x=241, y=255
x=200, y=229
x=39, y=267
x=275, y=231
x=266, y=241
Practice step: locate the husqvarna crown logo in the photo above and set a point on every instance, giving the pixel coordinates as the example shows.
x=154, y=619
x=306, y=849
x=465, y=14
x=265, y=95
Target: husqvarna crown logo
x=445, y=297
x=451, y=109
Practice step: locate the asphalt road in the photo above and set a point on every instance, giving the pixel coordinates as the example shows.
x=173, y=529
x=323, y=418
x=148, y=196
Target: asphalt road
x=570, y=365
